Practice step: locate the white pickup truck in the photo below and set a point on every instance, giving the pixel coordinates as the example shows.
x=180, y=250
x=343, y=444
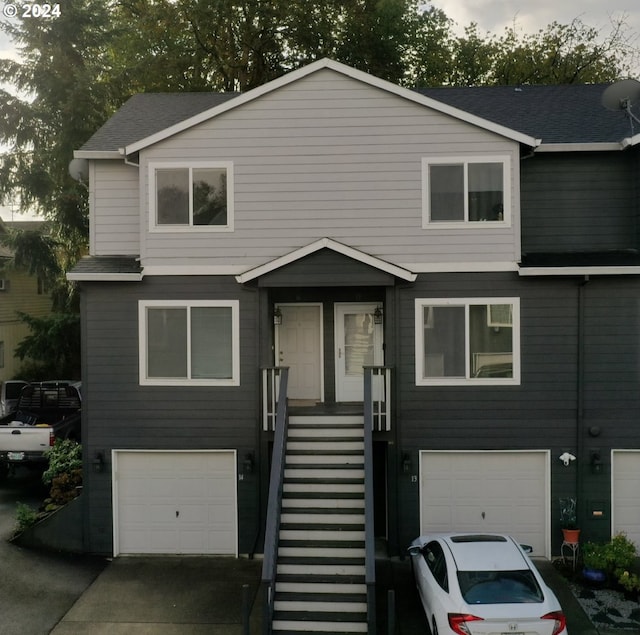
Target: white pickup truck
x=45, y=412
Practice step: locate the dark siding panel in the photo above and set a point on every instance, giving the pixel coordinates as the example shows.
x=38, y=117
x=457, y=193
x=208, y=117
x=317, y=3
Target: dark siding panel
x=578, y=202
x=543, y=412
x=326, y=268
x=121, y=414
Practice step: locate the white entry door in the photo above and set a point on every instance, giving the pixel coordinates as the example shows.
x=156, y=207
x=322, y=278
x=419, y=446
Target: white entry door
x=299, y=346
x=358, y=343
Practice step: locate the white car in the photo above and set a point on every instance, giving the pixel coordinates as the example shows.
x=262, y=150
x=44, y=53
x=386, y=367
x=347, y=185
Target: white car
x=476, y=584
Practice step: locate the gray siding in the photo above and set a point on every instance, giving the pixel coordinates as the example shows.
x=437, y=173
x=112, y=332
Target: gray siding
x=578, y=374
x=115, y=209
x=125, y=415
x=328, y=156
x=579, y=202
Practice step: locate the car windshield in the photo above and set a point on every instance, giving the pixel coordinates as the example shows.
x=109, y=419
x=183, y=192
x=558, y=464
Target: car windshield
x=499, y=587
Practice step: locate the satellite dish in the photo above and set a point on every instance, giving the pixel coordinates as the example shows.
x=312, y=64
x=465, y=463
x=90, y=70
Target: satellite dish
x=79, y=170
x=623, y=95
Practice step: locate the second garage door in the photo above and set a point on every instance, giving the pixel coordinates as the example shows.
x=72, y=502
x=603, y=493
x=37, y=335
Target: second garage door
x=175, y=503
x=626, y=499
x=505, y=492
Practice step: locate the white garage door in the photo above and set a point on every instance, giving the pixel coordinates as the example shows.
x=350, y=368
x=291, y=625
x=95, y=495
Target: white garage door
x=505, y=492
x=175, y=503
x=626, y=495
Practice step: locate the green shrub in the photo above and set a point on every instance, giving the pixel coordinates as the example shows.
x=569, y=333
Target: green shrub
x=612, y=557
x=64, y=457
x=26, y=516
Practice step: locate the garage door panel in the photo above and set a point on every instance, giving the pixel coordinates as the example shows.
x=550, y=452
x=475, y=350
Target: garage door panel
x=176, y=503
x=626, y=494
x=488, y=491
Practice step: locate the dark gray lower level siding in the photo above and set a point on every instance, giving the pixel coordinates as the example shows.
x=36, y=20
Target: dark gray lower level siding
x=572, y=382
x=119, y=413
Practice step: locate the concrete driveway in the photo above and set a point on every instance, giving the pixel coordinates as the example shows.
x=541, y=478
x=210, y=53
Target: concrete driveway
x=36, y=589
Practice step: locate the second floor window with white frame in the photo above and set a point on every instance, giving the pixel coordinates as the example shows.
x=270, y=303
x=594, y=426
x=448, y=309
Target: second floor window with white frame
x=466, y=190
x=191, y=196
x=189, y=343
x=467, y=341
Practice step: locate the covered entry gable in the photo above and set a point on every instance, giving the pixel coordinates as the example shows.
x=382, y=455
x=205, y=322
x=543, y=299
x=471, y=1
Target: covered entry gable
x=320, y=264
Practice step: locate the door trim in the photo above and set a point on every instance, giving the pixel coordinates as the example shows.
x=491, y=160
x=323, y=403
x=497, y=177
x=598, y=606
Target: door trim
x=276, y=339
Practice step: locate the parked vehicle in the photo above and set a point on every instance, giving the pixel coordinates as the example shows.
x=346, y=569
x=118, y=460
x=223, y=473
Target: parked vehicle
x=9, y=394
x=45, y=411
x=476, y=584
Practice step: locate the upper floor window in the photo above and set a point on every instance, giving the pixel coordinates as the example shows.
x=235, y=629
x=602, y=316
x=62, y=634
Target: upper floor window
x=466, y=190
x=467, y=341
x=193, y=196
x=189, y=342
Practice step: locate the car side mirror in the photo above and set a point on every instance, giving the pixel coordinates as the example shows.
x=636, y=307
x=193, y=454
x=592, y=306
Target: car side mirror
x=527, y=548
x=415, y=550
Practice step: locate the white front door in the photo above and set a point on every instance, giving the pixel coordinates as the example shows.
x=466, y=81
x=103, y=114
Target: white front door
x=299, y=346
x=358, y=343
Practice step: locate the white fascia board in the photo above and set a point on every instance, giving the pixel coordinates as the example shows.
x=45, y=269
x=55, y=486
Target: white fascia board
x=580, y=271
x=349, y=72
x=193, y=270
x=579, y=147
x=95, y=154
x=460, y=267
x=328, y=243
x=104, y=277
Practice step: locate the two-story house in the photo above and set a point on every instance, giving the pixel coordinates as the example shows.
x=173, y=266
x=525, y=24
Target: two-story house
x=481, y=244
x=20, y=292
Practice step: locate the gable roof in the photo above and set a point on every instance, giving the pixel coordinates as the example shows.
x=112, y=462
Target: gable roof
x=327, y=243
x=150, y=118
x=559, y=114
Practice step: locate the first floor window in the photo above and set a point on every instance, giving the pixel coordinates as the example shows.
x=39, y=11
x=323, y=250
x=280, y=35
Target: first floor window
x=194, y=343
x=460, y=341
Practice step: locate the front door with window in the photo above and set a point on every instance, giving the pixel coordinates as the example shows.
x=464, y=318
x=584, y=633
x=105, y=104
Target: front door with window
x=358, y=343
x=299, y=346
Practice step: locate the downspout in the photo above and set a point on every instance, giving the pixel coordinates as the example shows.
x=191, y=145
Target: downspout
x=580, y=444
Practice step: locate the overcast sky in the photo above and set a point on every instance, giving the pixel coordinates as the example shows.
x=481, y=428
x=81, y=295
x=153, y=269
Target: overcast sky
x=493, y=16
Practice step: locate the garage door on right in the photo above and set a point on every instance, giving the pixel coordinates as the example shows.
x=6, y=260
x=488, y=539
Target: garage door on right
x=487, y=491
x=625, y=468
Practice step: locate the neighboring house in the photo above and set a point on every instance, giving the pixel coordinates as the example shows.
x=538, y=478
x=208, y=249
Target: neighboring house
x=19, y=292
x=482, y=243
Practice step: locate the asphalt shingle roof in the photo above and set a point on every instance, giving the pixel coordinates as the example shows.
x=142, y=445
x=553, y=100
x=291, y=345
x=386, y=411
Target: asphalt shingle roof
x=556, y=114
x=107, y=265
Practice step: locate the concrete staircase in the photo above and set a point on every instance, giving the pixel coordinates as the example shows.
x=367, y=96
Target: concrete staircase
x=320, y=581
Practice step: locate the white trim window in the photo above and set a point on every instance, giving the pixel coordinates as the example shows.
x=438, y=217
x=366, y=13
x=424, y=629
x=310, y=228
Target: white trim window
x=194, y=196
x=463, y=341
x=189, y=343
x=464, y=191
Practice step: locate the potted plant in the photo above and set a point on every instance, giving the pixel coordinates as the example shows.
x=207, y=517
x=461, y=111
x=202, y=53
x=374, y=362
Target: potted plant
x=568, y=521
x=595, y=561
x=609, y=560
x=630, y=583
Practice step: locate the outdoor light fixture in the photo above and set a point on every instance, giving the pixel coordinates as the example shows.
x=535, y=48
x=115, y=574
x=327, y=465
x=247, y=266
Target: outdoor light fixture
x=98, y=462
x=597, y=466
x=566, y=458
x=277, y=316
x=248, y=463
x=377, y=316
x=406, y=463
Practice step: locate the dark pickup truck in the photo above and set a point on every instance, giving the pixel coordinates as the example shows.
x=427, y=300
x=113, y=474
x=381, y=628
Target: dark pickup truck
x=45, y=412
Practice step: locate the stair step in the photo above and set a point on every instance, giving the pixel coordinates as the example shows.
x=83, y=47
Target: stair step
x=319, y=617
x=351, y=498
x=315, y=521
x=353, y=505
x=326, y=419
x=323, y=481
x=295, y=596
x=309, y=432
x=323, y=544
x=321, y=463
x=311, y=486
x=320, y=552
x=336, y=452
x=317, y=605
x=310, y=471
x=298, y=533
x=319, y=569
x=304, y=586
x=283, y=627
x=330, y=511
x=325, y=441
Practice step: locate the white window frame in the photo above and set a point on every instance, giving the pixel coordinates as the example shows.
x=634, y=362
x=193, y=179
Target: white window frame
x=421, y=303
x=190, y=165
x=505, y=159
x=234, y=380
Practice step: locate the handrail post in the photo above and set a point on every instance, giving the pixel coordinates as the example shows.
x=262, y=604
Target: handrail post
x=369, y=545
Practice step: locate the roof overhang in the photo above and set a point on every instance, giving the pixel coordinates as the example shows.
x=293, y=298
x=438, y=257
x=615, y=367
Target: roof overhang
x=327, y=243
x=104, y=277
x=305, y=71
x=621, y=270
x=580, y=147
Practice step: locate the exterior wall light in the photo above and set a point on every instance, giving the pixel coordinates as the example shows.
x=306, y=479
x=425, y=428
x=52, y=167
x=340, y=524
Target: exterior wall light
x=377, y=315
x=248, y=463
x=277, y=316
x=597, y=466
x=406, y=463
x=98, y=462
